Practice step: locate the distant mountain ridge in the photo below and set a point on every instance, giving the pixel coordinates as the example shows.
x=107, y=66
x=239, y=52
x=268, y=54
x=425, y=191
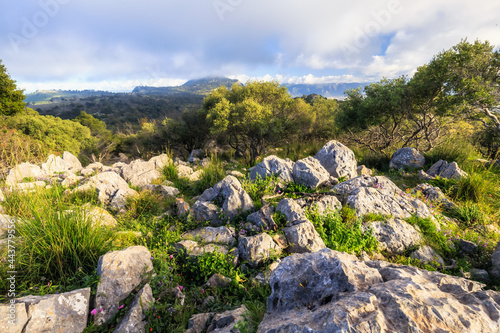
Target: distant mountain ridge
x=330, y=90
x=199, y=87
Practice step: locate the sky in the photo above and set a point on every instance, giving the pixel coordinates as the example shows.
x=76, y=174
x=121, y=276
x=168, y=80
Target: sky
x=117, y=45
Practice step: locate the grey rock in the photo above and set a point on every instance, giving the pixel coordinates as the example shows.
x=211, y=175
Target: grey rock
x=423, y=176
x=5, y=222
x=338, y=160
x=444, y=169
x=467, y=247
x=221, y=235
x=381, y=196
x=160, y=161
x=196, y=176
x=184, y=171
x=182, y=206
x=363, y=171
x=198, y=323
x=96, y=166
x=13, y=317
x=2, y=197
x=65, y=312
x=28, y=187
x=21, y=171
x=206, y=211
x=218, y=281
x=192, y=248
x=434, y=194
x=135, y=319
x=229, y=193
x=407, y=157
x=480, y=275
x=120, y=272
x=495, y=262
x=140, y=173
x=394, y=235
x=167, y=191
x=98, y=216
x=236, y=174
x=310, y=173
x=291, y=210
x=327, y=204
x=265, y=276
x=225, y=322
x=273, y=166
x=263, y=218
x=256, y=249
x=427, y=255
x=302, y=237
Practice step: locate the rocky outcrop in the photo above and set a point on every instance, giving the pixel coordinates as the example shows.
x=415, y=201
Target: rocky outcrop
x=303, y=237
x=363, y=171
x=427, y=255
x=21, y=171
x=66, y=313
x=291, y=210
x=381, y=196
x=434, y=194
x=199, y=322
x=120, y=272
x=193, y=248
x=407, y=157
x=167, y=191
x=135, y=319
x=329, y=291
x=263, y=218
x=218, y=281
x=310, y=173
x=327, y=204
x=256, y=249
x=226, y=198
x=394, y=235
x=273, y=166
x=55, y=164
x=495, y=262
x=225, y=322
x=444, y=169
x=338, y=160
x=220, y=235
x=140, y=173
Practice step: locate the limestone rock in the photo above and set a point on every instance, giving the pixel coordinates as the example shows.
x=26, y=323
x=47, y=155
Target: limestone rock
x=13, y=317
x=120, y=272
x=135, y=319
x=5, y=222
x=195, y=176
x=363, y=171
x=167, y=191
x=220, y=235
x=427, y=255
x=2, y=197
x=65, y=312
x=291, y=210
x=444, y=169
x=263, y=277
x=394, y=235
x=263, y=218
x=182, y=206
x=327, y=204
x=21, y=171
x=231, y=197
x=218, y=281
x=338, y=160
x=302, y=237
x=381, y=196
x=273, y=166
x=184, y=171
x=225, y=322
x=140, y=173
x=434, y=194
x=310, y=173
x=160, y=161
x=407, y=157
x=256, y=249
x=99, y=216
x=192, y=248
x=198, y=323
x=495, y=262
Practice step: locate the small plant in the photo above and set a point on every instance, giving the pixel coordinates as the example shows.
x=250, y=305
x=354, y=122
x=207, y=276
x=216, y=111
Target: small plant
x=436, y=239
x=212, y=174
x=470, y=214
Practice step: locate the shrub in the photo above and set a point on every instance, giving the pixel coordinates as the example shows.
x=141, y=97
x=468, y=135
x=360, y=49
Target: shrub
x=212, y=174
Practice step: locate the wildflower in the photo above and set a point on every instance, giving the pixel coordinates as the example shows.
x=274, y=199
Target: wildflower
x=171, y=256
x=202, y=290
x=93, y=312
x=121, y=307
x=100, y=310
x=152, y=258
x=181, y=287
x=48, y=285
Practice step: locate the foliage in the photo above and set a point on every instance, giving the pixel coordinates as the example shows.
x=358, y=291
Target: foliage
x=212, y=174
x=11, y=98
x=435, y=238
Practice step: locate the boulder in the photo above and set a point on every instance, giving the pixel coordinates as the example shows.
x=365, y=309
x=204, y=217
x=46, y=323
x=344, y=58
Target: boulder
x=225, y=322
x=182, y=206
x=263, y=218
x=427, y=255
x=140, y=173
x=434, y=194
x=444, y=169
x=196, y=176
x=160, y=161
x=363, y=171
x=135, y=319
x=28, y=187
x=495, y=262
x=184, y=171
x=99, y=216
x=120, y=273
x=256, y=249
x=310, y=173
x=66, y=313
x=228, y=195
x=407, y=157
x=21, y=171
x=302, y=237
x=167, y=191
x=338, y=160
x=263, y=277
x=220, y=235
x=193, y=248
x=218, y=281
x=198, y=323
x=381, y=196
x=327, y=204
x=96, y=166
x=394, y=235
x=273, y=166
x=329, y=291
x=291, y=210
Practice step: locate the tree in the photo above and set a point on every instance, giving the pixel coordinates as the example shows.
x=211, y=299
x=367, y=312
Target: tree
x=11, y=98
x=254, y=117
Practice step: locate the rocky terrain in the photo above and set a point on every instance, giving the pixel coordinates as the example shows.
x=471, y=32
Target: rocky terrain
x=313, y=288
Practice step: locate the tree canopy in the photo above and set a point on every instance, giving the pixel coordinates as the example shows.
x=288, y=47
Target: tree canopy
x=11, y=98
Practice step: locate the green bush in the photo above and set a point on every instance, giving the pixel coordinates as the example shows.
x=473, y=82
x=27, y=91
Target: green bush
x=212, y=174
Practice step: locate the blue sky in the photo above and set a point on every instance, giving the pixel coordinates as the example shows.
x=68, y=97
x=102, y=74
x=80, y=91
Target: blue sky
x=117, y=45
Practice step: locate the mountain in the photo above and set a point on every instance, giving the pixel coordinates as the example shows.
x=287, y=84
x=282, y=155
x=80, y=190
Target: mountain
x=199, y=87
x=50, y=96
x=331, y=90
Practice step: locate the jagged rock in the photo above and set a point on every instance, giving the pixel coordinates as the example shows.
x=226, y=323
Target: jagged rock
x=263, y=218
x=182, y=206
x=434, y=194
x=225, y=322
x=167, y=191
x=256, y=249
x=112, y=189
x=235, y=173
x=363, y=171
x=407, y=157
x=309, y=172
x=302, y=237
x=273, y=166
x=394, y=235
x=291, y=210
x=467, y=247
x=74, y=163
x=55, y=164
x=199, y=322
x=422, y=176
x=328, y=203
x=218, y=281
x=192, y=248
x=338, y=160
x=220, y=235
x=329, y=291
x=381, y=196
x=140, y=173
x=99, y=216
x=28, y=187
x=135, y=319
x=427, y=255
x=66, y=313
x=195, y=176
x=160, y=161
x=495, y=262
x=231, y=197
x=184, y=171
x=444, y=169
x=263, y=277
x=21, y=171
x=5, y=222
x=120, y=272
x=479, y=275
x=96, y=166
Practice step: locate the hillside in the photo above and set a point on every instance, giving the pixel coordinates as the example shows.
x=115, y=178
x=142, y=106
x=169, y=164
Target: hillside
x=199, y=87
x=329, y=90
